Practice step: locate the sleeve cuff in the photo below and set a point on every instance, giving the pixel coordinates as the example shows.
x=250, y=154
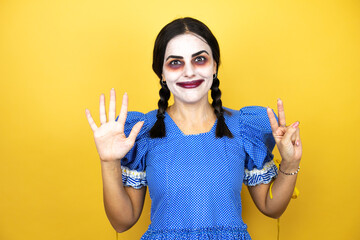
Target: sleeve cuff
x=133, y=178
x=262, y=176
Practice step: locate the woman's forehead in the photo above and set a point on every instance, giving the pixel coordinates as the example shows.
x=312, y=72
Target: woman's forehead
x=186, y=45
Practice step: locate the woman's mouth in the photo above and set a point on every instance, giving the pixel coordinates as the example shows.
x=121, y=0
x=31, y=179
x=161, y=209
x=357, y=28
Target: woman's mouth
x=192, y=84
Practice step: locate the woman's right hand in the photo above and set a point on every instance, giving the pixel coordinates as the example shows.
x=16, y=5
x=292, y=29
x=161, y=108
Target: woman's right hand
x=110, y=139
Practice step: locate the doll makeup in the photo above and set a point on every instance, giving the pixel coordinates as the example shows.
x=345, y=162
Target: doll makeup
x=199, y=59
x=188, y=68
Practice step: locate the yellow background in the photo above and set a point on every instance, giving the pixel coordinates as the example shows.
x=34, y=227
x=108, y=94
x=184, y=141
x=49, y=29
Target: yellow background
x=57, y=57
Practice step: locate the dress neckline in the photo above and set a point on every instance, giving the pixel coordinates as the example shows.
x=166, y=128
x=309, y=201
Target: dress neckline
x=167, y=115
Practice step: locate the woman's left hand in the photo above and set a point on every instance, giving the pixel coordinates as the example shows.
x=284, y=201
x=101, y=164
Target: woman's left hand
x=287, y=139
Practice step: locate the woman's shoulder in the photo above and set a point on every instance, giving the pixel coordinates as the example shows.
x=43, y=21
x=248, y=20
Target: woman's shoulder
x=247, y=109
x=255, y=116
x=248, y=117
x=246, y=113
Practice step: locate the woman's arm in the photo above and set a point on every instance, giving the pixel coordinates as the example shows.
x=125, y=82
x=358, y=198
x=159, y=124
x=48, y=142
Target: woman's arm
x=289, y=144
x=282, y=190
x=123, y=205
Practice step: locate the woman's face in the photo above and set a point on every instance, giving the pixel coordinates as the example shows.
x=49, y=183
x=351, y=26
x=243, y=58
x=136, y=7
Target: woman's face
x=188, y=68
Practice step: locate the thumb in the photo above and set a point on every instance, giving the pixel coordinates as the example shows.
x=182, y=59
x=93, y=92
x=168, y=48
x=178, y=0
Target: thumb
x=135, y=131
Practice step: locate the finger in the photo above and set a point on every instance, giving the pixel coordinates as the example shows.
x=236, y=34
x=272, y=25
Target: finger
x=290, y=131
x=273, y=122
x=297, y=138
x=294, y=137
x=298, y=145
x=90, y=120
x=112, y=105
x=135, y=131
x=102, y=109
x=123, y=111
x=281, y=113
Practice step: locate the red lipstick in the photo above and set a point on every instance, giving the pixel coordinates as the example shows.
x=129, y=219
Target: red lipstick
x=192, y=84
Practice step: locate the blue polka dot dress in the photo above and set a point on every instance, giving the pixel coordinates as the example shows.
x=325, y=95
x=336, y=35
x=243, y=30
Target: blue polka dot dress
x=195, y=180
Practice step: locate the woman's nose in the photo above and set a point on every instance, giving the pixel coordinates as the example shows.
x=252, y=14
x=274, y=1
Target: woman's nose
x=189, y=70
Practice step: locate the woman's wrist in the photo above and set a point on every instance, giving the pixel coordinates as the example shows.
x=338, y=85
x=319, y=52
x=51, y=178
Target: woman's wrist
x=289, y=173
x=111, y=164
x=289, y=167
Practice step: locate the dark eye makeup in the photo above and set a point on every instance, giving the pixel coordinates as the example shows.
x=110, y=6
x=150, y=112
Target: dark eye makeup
x=175, y=62
x=200, y=60
x=178, y=62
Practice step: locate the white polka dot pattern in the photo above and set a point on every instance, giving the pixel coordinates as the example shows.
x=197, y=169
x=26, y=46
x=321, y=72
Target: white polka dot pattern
x=195, y=180
x=258, y=143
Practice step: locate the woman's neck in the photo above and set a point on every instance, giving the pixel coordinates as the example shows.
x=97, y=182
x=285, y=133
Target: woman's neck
x=193, y=118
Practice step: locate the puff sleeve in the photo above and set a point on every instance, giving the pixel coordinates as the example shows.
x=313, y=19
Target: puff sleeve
x=133, y=164
x=258, y=143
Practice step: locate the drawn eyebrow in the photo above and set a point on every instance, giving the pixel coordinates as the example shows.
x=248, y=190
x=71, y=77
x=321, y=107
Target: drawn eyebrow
x=200, y=52
x=173, y=56
x=193, y=55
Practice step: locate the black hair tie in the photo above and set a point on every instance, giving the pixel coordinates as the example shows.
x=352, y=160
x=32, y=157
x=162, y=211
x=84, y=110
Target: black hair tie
x=160, y=115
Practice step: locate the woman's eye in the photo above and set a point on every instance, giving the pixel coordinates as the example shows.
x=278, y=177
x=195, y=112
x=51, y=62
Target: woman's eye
x=175, y=62
x=200, y=59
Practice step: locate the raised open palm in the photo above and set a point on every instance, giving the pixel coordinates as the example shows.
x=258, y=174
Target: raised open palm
x=287, y=138
x=110, y=139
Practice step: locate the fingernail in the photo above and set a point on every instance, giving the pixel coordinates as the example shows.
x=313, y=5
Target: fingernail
x=279, y=100
x=297, y=142
x=295, y=124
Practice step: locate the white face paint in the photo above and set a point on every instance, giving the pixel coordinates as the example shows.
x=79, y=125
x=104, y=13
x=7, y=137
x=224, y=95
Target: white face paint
x=188, y=68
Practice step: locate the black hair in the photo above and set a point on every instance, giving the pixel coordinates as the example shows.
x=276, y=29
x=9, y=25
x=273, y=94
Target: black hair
x=171, y=30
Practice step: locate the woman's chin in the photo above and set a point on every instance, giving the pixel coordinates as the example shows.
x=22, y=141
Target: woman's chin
x=192, y=99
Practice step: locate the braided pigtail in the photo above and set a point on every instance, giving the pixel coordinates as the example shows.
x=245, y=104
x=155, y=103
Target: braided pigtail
x=158, y=130
x=221, y=128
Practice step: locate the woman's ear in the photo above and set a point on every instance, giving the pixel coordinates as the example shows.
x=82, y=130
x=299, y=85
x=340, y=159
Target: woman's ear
x=214, y=71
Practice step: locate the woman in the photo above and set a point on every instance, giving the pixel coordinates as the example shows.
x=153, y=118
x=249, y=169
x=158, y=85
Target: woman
x=196, y=154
